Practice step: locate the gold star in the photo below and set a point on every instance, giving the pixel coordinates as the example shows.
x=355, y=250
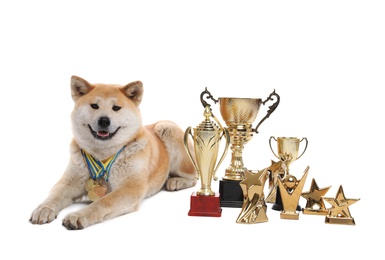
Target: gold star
x=314, y=196
x=340, y=205
x=254, y=182
x=254, y=207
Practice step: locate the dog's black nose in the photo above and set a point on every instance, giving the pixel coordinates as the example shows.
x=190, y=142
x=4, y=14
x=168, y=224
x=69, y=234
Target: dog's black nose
x=104, y=121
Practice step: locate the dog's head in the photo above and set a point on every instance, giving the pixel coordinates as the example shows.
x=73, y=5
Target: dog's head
x=105, y=116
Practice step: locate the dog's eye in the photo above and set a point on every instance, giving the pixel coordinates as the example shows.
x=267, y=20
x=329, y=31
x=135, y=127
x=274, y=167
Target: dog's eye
x=94, y=106
x=116, y=108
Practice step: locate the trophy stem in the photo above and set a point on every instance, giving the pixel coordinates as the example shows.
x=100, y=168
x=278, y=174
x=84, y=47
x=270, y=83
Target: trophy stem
x=231, y=193
x=206, y=190
x=236, y=170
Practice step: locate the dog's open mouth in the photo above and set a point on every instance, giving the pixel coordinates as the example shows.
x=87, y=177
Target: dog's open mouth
x=102, y=134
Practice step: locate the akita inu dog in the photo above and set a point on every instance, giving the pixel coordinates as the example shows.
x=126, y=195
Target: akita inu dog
x=115, y=161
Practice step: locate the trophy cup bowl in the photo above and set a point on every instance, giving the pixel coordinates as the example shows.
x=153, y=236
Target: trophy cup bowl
x=239, y=115
x=239, y=111
x=288, y=149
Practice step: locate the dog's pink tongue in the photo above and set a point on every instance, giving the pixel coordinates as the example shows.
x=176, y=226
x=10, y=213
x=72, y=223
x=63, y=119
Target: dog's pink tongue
x=103, y=133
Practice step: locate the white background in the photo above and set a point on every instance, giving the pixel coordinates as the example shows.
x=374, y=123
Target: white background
x=324, y=58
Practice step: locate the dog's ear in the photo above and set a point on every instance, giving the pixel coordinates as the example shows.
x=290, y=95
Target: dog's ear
x=134, y=91
x=79, y=87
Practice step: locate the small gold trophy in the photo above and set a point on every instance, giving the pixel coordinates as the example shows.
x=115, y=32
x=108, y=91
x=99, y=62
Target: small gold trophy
x=290, y=189
x=254, y=206
x=206, y=139
x=239, y=114
x=288, y=150
x=277, y=170
x=339, y=212
x=314, y=203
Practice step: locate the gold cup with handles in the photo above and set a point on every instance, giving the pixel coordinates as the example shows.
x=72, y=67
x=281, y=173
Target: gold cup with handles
x=239, y=115
x=287, y=152
x=288, y=149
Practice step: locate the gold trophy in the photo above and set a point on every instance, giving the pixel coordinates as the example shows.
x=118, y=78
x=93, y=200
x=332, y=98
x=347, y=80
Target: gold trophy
x=206, y=139
x=254, y=206
x=339, y=213
x=288, y=150
x=239, y=114
x=314, y=202
x=290, y=190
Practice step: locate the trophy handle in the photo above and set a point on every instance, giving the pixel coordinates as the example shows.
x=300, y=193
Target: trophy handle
x=271, y=108
x=305, y=146
x=208, y=96
x=186, y=134
x=226, y=133
x=271, y=148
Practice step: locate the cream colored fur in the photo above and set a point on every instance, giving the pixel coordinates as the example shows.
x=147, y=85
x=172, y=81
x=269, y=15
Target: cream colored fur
x=154, y=156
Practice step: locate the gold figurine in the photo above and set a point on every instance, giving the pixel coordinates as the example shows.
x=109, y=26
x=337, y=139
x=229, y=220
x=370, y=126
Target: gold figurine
x=290, y=190
x=254, y=206
x=315, y=204
x=339, y=212
x=277, y=170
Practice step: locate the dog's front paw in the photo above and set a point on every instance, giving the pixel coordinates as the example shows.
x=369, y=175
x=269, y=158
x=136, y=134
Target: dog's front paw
x=43, y=215
x=75, y=221
x=178, y=183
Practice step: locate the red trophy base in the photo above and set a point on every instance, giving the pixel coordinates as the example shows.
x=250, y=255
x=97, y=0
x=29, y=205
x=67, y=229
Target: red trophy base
x=208, y=206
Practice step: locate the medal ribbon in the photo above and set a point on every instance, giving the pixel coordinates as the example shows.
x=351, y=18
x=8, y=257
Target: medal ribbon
x=97, y=168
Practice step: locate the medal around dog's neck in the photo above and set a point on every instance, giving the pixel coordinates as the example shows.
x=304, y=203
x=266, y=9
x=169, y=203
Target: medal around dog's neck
x=99, y=169
x=97, y=185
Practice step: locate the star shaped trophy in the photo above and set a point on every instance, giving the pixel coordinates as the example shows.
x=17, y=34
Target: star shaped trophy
x=315, y=204
x=239, y=114
x=254, y=206
x=206, y=139
x=339, y=212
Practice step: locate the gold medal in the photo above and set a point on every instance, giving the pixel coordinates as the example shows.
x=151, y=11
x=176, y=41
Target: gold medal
x=89, y=184
x=100, y=191
x=97, y=190
x=100, y=171
x=103, y=182
x=92, y=196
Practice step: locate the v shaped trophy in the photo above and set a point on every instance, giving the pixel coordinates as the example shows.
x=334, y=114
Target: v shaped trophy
x=239, y=115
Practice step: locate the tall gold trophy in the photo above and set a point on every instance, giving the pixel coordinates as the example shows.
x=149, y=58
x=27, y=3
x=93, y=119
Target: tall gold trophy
x=288, y=150
x=206, y=139
x=239, y=114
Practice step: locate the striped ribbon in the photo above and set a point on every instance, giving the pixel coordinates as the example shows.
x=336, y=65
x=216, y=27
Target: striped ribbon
x=97, y=168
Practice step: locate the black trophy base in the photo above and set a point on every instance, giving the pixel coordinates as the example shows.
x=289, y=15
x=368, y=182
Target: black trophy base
x=278, y=202
x=231, y=194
